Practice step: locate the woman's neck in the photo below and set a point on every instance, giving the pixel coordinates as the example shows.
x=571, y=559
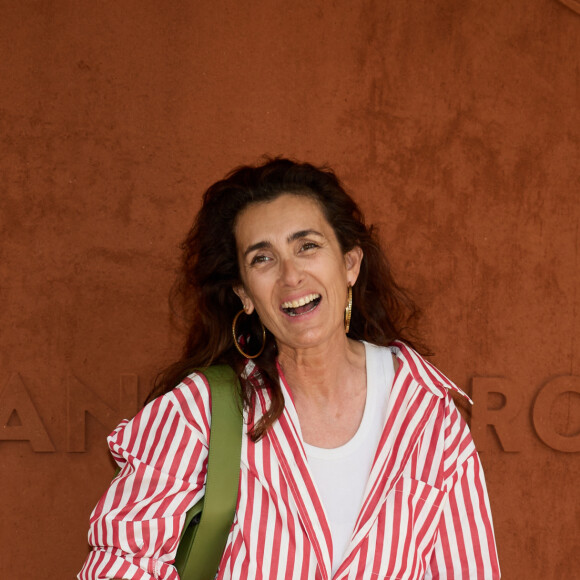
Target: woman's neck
x=328, y=387
x=318, y=371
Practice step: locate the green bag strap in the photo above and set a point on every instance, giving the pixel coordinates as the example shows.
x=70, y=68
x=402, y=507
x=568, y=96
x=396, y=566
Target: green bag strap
x=199, y=560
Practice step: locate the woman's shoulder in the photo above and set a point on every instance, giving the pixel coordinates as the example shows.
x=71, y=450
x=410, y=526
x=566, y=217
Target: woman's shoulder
x=192, y=397
x=423, y=371
x=184, y=411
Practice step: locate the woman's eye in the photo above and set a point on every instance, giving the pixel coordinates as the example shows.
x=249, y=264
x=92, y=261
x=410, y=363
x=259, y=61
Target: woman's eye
x=308, y=246
x=258, y=259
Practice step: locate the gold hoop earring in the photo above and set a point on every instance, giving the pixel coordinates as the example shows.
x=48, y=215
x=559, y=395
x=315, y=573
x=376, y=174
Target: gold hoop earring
x=245, y=355
x=348, y=311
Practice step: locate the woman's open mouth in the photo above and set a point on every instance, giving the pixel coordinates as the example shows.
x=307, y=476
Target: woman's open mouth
x=302, y=305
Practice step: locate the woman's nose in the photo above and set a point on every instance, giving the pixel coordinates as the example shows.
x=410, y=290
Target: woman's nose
x=291, y=273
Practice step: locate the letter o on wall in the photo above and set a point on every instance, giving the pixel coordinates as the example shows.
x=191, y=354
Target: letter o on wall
x=542, y=414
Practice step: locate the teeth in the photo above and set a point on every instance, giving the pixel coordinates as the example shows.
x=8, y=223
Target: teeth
x=301, y=301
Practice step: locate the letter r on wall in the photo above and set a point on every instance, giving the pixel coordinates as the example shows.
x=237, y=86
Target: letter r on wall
x=502, y=420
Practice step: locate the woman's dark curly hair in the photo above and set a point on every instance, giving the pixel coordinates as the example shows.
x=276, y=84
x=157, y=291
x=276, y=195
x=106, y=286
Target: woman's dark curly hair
x=382, y=311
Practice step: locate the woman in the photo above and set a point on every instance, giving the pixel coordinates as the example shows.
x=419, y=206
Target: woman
x=355, y=462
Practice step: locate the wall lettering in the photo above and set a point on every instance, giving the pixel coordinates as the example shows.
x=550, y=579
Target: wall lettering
x=508, y=419
x=499, y=413
x=20, y=420
x=502, y=419
x=542, y=414
x=82, y=401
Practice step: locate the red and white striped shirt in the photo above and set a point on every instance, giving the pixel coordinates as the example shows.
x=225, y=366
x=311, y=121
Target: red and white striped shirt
x=425, y=513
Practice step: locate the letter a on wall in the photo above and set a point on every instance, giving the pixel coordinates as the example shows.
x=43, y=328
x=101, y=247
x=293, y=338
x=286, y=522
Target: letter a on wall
x=15, y=401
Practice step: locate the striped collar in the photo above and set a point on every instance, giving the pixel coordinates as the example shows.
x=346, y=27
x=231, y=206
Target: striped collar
x=423, y=372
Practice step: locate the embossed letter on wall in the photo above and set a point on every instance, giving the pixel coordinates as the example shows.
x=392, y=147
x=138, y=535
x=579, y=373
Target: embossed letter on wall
x=499, y=407
x=21, y=421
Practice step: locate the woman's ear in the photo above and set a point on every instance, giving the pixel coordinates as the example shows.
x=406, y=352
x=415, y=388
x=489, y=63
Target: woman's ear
x=353, y=259
x=246, y=300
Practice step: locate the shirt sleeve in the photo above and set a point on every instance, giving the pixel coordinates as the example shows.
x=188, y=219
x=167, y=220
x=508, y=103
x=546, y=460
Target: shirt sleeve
x=162, y=452
x=465, y=547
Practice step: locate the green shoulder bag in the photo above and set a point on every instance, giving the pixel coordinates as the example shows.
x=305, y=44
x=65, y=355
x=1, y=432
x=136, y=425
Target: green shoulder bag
x=208, y=522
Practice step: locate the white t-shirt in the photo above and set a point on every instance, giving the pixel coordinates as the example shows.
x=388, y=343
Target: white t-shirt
x=341, y=474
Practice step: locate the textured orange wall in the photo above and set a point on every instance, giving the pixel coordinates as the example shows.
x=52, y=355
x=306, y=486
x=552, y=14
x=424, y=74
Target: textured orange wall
x=455, y=123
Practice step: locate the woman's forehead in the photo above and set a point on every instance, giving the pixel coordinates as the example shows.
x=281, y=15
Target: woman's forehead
x=281, y=218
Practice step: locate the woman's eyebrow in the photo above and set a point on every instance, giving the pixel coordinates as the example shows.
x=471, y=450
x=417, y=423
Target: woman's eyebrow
x=303, y=234
x=258, y=246
x=291, y=238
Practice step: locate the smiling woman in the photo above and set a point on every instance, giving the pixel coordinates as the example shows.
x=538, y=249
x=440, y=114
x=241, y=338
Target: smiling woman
x=355, y=462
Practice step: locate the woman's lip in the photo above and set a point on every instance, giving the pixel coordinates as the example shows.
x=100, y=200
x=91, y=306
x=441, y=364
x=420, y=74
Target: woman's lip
x=300, y=300
x=308, y=308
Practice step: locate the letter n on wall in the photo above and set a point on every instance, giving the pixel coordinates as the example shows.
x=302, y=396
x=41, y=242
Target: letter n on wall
x=82, y=401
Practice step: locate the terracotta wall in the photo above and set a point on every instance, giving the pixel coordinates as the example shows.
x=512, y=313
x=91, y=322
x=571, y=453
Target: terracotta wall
x=456, y=125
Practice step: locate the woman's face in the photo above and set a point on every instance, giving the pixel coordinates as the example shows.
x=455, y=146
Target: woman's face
x=293, y=271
